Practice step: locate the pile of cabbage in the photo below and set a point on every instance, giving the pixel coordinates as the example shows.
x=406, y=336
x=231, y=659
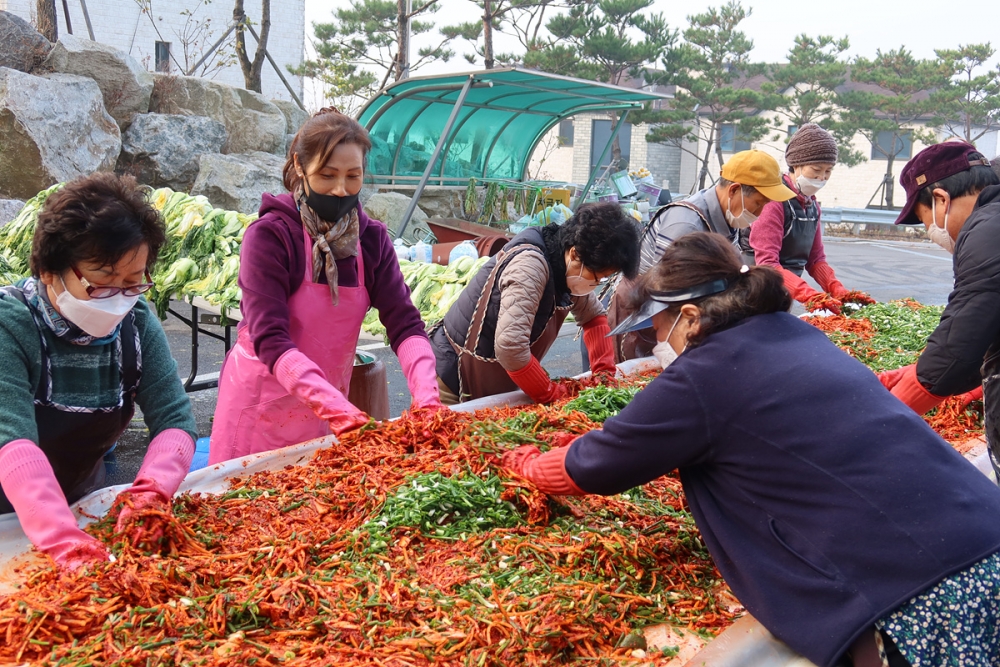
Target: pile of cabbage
x=201, y=257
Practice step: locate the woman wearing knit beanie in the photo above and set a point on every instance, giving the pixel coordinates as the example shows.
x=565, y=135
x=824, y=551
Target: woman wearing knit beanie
x=788, y=235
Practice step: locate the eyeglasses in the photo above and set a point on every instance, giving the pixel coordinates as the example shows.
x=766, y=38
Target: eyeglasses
x=107, y=291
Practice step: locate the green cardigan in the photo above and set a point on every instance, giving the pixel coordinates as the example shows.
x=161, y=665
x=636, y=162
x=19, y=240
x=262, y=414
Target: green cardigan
x=84, y=376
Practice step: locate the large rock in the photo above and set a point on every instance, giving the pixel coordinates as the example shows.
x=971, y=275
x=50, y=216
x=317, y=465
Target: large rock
x=252, y=123
x=295, y=116
x=163, y=150
x=9, y=208
x=236, y=182
x=52, y=128
x=443, y=203
x=389, y=207
x=21, y=46
x=125, y=84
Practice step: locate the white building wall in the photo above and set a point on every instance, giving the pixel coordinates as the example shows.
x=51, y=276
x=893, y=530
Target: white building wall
x=849, y=187
x=123, y=25
x=550, y=161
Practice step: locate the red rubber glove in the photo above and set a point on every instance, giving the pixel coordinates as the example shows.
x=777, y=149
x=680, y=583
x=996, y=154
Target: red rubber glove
x=890, y=379
x=535, y=382
x=970, y=396
x=910, y=391
x=600, y=348
x=31, y=487
x=827, y=279
x=858, y=297
x=824, y=302
x=797, y=287
x=547, y=471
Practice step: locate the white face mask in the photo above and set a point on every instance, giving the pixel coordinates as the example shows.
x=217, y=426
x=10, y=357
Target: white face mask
x=940, y=235
x=97, y=317
x=809, y=186
x=744, y=219
x=578, y=285
x=664, y=351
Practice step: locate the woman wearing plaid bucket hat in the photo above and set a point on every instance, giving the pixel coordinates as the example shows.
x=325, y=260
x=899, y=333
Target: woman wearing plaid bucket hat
x=788, y=235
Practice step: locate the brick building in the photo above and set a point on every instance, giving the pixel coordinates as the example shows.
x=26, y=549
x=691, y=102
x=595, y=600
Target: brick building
x=166, y=36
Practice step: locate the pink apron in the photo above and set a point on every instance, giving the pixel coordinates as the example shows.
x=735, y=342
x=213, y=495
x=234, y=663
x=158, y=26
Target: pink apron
x=254, y=413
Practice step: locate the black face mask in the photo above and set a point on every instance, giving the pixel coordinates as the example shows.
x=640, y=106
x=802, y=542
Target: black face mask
x=329, y=207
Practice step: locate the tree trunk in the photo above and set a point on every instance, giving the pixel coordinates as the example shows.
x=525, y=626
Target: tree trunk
x=888, y=178
x=48, y=25
x=252, y=69
x=704, y=161
x=402, y=65
x=488, y=34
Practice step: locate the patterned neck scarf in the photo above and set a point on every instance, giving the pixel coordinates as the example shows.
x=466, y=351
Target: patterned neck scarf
x=331, y=240
x=37, y=297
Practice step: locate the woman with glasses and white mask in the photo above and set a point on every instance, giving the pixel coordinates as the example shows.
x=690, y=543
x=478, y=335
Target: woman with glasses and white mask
x=494, y=337
x=80, y=349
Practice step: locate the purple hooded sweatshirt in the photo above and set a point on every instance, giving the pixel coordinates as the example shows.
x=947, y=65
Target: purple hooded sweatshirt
x=273, y=262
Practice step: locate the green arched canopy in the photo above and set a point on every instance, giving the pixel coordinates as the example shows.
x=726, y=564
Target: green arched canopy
x=483, y=124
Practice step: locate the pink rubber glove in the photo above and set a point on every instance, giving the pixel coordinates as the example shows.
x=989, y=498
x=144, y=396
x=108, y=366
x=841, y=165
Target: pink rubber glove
x=535, y=382
x=167, y=461
x=547, y=471
x=302, y=378
x=418, y=363
x=600, y=348
x=31, y=487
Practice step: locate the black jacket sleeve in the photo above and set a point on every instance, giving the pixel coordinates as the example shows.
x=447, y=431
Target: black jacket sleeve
x=970, y=323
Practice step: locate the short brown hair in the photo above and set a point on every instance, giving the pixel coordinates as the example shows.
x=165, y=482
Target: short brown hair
x=703, y=257
x=98, y=218
x=317, y=139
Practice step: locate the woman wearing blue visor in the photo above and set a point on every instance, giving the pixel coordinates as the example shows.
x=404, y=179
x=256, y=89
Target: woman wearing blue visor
x=838, y=517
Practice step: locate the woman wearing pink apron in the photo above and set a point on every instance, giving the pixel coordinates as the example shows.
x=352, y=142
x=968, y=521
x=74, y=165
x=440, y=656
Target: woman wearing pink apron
x=310, y=267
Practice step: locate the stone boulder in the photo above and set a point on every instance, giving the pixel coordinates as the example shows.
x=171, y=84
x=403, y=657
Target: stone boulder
x=124, y=83
x=21, y=46
x=389, y=207
x=295, y=116
x=52, y=128
x=163, y=150
x=443, y=202
x=9, y=208
x=236, y=182
x=252, y=123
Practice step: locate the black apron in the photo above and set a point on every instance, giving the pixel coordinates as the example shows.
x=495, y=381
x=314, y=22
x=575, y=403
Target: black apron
x=75, y=439
x=797, y=241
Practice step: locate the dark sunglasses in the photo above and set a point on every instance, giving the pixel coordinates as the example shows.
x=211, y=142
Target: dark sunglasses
x=107, y=291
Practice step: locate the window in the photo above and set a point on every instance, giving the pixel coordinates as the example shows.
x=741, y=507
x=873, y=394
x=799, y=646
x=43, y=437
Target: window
x=163, y=56
x=600, y=133
x=566, y=132
x=729, y=141
x=883, y=147
x=792, y=129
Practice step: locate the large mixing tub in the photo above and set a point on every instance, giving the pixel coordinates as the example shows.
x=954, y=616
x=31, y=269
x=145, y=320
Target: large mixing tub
x=744, y=644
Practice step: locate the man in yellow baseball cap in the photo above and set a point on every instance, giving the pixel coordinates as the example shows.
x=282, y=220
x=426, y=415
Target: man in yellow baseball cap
x=749, y=179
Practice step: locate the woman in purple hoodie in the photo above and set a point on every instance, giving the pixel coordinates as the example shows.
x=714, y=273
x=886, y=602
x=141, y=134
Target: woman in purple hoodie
x=310, y=267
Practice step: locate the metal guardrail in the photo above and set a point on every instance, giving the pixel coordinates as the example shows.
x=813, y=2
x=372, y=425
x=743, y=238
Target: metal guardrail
x=859, y=216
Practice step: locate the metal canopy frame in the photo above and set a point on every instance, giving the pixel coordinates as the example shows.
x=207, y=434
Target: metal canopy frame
x=450, y=92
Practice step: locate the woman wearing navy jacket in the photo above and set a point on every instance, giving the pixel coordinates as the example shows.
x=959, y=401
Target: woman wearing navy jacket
x=836, y=515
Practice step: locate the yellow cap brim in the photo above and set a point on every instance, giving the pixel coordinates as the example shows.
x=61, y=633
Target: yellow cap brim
x=775, y=192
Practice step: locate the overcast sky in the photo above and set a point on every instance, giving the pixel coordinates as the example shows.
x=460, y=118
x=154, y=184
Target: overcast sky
x=919, y=25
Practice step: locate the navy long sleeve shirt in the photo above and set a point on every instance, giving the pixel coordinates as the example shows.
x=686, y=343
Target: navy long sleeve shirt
x=825, y=502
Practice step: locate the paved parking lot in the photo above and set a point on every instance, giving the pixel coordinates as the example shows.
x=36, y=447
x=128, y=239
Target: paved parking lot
x=885, y=269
